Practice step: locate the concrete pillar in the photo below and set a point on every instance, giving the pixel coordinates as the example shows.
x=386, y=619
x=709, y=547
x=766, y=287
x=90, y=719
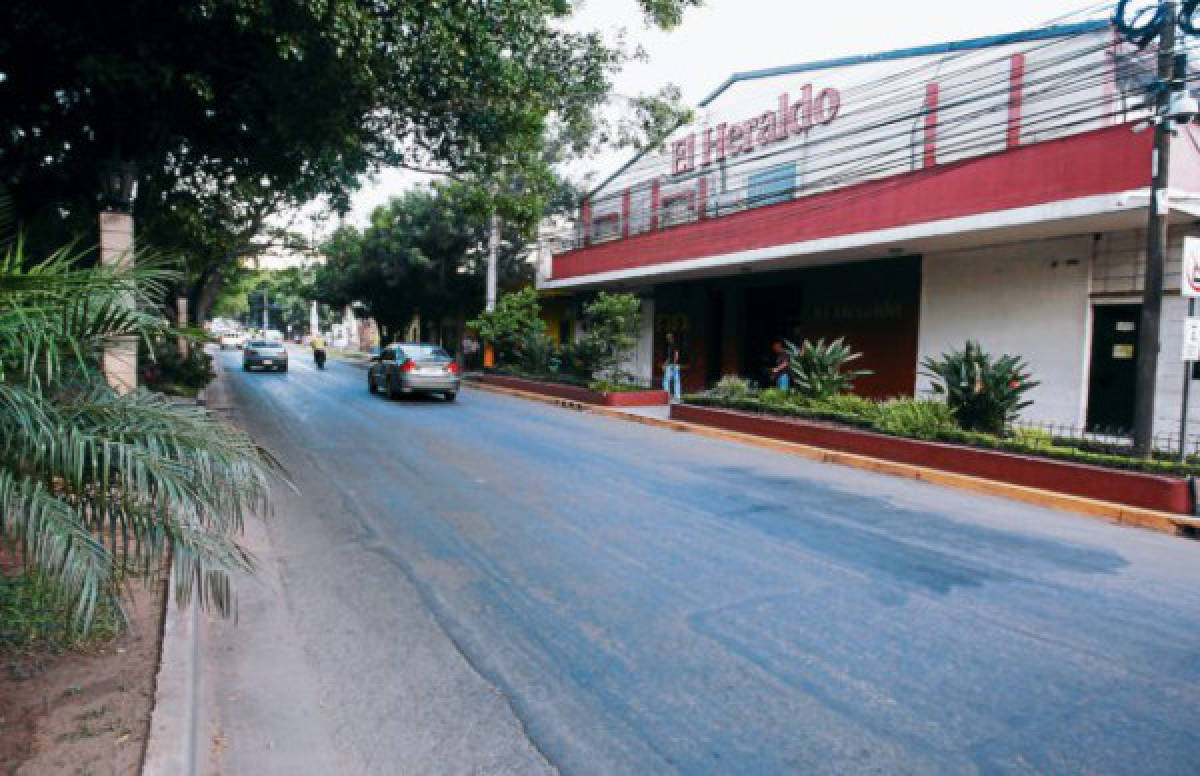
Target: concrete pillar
x=181, y=318
x=116, y=250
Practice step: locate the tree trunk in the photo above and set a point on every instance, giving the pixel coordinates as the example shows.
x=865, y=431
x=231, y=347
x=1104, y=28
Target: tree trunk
x=205, y=295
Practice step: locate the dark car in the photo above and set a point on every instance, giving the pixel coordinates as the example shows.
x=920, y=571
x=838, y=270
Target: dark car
x=264, y=354
x=413, y=367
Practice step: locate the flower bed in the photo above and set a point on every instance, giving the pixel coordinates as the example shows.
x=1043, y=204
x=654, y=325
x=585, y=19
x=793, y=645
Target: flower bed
x=636, y=397
x=1158, y=491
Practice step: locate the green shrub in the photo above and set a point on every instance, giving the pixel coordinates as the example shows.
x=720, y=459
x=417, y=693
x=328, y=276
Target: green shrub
x=819, y=369
x=580, y=359
x=614, y=386
x=847, y=404
x=1033, y=437
x=985, y=393
x=164, y=370
x=533, y=351
x=612, y=323
x=775, y=396
x=733, y=387
x=517, y=315
x=919, y=418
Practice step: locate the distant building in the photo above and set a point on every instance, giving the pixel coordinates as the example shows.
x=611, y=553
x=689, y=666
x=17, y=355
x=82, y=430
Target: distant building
x=993, y=189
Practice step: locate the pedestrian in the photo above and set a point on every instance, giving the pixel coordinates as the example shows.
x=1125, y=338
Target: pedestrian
x=779, y=372
x=671, y=369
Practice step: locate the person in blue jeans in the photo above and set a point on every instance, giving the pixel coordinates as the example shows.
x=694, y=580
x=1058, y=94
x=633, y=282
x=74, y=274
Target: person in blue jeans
x=779, y=372
x=671, y=369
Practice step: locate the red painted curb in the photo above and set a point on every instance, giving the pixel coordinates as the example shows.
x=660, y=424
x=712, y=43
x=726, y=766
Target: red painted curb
x=576, y=393
x=1150, y=491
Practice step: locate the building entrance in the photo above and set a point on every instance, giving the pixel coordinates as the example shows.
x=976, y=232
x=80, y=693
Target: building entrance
x=1114, y=368
x=874, y=305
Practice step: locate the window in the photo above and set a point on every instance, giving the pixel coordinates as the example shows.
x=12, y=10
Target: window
x=774, y=184
x=422, y=353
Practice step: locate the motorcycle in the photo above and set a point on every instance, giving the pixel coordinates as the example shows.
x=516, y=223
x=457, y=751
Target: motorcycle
x=319, y=358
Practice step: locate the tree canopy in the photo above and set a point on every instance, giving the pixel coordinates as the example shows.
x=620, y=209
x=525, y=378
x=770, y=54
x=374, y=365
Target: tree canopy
x=424, y=252
x=233, y=110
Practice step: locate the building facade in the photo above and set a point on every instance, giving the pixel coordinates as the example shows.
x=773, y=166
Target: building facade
x=994, y=189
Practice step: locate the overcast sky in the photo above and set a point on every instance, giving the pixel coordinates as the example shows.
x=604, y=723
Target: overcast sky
x=728, y=36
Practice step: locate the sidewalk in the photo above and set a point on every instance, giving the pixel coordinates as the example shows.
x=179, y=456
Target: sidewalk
x=201, y=713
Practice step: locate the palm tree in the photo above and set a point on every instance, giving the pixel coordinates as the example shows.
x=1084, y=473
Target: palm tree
x=96, y=487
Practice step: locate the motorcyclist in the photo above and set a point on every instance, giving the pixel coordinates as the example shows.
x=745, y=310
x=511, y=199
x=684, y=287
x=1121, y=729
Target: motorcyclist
x=318, y=348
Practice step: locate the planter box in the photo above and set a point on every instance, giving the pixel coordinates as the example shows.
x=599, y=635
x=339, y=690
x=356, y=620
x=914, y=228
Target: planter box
x=577, y=393
x=1151, y=491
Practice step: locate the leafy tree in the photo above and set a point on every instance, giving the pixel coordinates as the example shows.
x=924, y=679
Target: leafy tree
x=612, y=323
x=516, y=319
x=289, y=293
x=425, y=253
x=233, y=111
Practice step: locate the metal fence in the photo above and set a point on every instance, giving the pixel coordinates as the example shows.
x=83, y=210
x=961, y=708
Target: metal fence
x=1114, y=441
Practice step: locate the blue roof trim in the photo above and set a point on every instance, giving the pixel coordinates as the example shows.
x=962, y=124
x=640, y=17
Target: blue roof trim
x=1045, y=33
x=1024, y=36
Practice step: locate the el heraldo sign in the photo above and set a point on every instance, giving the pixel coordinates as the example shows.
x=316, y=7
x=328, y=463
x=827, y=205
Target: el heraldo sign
x=772, y=126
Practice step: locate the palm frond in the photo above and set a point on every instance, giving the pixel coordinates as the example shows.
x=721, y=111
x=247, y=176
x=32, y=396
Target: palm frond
x=94, y=484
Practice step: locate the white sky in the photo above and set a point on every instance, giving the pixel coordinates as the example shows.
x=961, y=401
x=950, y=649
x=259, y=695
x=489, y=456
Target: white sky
x=728, y=36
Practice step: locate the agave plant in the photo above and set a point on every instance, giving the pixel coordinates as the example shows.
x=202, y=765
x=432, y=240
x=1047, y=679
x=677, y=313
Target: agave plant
x=96, y=486
x=984, y=393
x=819, y=369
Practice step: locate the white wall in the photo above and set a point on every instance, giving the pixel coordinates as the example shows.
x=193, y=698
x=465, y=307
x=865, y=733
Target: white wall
x=640, y=362
x=1029, y=299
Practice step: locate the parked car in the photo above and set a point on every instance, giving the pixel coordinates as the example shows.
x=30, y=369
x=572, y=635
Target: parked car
x=264, y=354
x=232, y=340
x=413, y=367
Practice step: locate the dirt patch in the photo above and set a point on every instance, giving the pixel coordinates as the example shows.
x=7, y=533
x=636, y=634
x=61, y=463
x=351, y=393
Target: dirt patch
x=84, y=712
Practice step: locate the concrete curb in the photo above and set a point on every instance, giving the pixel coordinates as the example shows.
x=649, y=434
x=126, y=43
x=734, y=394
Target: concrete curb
x=171, y=744
x=1164, y=522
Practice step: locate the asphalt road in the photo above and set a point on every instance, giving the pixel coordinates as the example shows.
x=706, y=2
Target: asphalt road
x=501, y=586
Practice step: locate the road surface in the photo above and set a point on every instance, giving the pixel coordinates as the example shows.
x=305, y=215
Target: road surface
x=502, y=586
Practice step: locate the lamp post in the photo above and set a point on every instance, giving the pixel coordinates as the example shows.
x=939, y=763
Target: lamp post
x=118, y=189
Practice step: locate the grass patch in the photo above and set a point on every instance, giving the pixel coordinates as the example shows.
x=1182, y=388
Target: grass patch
x=34, y=612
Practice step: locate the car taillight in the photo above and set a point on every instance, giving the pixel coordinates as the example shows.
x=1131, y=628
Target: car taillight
x=251, y=352
x=452, y=367
x=408, y=366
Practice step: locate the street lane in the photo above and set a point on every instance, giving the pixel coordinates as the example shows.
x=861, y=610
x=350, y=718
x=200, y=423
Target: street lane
x=634, y=600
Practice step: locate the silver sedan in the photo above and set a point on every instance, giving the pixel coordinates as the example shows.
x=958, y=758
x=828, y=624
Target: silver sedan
x=264, y=354
x=413, y=367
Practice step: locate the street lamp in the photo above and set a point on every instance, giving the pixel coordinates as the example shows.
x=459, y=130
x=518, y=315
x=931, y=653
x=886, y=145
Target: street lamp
x=118, y=188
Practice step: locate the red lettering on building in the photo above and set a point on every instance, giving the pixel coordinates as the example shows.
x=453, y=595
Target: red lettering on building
x=769, y=127
x=714, y=141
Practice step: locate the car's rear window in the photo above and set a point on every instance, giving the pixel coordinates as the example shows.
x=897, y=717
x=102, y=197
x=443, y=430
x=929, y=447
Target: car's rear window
x=264, y=344
x=425, y=352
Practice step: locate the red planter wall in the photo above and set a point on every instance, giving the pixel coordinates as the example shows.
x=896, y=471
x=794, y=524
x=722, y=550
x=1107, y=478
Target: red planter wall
x=1168, y=494
x=575, y=393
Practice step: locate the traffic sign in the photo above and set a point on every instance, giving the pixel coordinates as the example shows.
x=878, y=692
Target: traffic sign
x=1189, y=283
x=1191, y=339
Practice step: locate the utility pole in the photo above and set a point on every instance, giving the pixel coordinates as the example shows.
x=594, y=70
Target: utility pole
x=493, y=258
x=266, y=322
x=1156, y=240
x=489, y=299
